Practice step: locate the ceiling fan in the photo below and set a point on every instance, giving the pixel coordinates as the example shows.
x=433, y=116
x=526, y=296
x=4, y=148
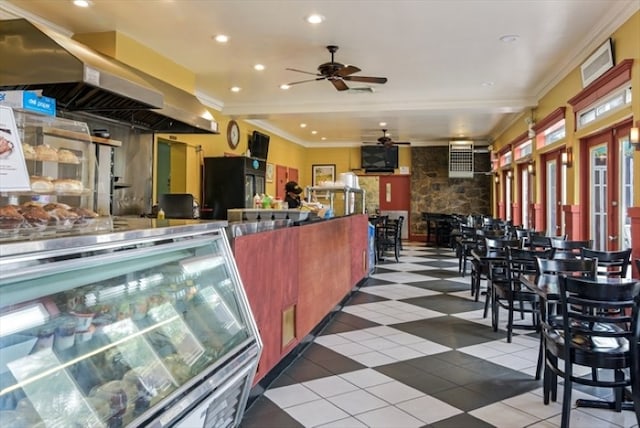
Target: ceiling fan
x=386, y=141
x=337, y=73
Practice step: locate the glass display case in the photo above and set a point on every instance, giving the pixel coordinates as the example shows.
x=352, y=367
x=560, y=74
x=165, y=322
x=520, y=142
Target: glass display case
x=342, y=200
x=148, y=326
x=61, y=164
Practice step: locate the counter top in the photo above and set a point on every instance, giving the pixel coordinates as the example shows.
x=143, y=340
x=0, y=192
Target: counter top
x=124, y=229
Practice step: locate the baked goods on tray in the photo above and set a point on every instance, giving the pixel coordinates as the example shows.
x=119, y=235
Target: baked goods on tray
x=28, y=151
x=67, y=156
x=67, y=185
x=10, y=218
x=35, y=215
x=45, y=152
x=41, y=184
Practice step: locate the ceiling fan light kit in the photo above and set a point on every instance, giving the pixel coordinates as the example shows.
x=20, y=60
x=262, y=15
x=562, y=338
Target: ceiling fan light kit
x=386, y=141
x=337, y=73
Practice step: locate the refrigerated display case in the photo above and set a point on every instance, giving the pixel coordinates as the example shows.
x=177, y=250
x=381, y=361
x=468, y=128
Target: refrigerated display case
x=342, y=200
x=146, y=326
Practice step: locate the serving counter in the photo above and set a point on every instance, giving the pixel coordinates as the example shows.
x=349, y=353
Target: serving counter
x=295, y=276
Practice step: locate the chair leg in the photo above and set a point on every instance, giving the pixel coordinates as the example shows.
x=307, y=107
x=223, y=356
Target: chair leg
x=486, y=300
x=510, y=320
x=566, y=400
x=495, y=310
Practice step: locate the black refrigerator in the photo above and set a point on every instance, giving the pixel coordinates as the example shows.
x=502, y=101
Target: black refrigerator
x=230, y=182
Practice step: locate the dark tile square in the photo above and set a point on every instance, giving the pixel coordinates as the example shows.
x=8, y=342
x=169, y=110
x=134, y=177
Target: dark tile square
x=282, y=380
x=450, y=331
x=446, y=304
x=376, y=281
x=462, y=420
x=359, y=298
x=302, y=370
x=463, y=398
x=264, y=413
x=457, y=358
x=334, y=362
x=439, y=263
x=506, y=386
x=439, y=273
x=343, y=322
x=441, y=285
x=415, y=378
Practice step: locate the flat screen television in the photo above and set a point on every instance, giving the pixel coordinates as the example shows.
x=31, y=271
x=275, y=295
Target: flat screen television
x=379, y=158
x=259, y=145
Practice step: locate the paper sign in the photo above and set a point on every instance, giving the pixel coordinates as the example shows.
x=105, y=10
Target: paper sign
x=14, y=176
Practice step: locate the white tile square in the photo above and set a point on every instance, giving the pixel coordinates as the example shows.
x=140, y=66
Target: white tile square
x=349, y=349
x=329, y=386
x=389, y=417
x=357, y=335
x=426, y=347
x=373, y=359
x=429, y=409
x=512, y=362
x=330, y=340
x=503, y=416
x=316, y=413
x=350, y=422
x=401, y=353
x=404, y=338
x=358, y=401
x=366, y=377
x=395, y=392
x=378, y=343
x=534, y=405
x=382, y=330
x=291, y=395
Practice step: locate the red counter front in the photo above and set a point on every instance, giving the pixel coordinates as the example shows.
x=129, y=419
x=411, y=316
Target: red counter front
x=303, y=272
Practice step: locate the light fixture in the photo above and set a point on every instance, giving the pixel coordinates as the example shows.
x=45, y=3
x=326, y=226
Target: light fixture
x=284, y=86
x=258, y=67
x=509, y=174
x=566, y=158
x=314, y=18
x=531, y=168
x=496, y=178
x=634, y=135
x=509, y=38
x=235, y=89
x=81, y=3
x=221, y=38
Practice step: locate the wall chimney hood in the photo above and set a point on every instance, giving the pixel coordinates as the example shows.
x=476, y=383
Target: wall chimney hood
x=83, y=80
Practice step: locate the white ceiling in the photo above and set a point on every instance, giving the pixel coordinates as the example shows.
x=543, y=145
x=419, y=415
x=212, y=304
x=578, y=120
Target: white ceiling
x=438, y=56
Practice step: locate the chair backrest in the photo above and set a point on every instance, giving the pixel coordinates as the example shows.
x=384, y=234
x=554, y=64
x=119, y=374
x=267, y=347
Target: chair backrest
x=539, y=241
x=500, y=245
x=467, y=232
x=610, y=263
x=399, y=222
x=523, y=261
x=569, y=248
x=599, y=316
x=573, y=267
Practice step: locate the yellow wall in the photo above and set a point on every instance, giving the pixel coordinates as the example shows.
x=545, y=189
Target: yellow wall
x=626, y=44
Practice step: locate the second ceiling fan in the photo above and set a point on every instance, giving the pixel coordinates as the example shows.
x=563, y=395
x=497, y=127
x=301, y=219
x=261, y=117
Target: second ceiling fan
x=337, y=73
x=386, y=141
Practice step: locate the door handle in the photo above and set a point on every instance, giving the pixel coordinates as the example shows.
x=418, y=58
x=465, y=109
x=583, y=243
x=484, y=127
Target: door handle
x=613, y=238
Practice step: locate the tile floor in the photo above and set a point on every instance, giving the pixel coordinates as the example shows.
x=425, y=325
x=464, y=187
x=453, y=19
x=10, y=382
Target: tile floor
x=411, y=349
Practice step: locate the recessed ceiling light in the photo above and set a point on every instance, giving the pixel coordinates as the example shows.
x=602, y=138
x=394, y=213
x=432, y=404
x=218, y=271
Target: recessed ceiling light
x=303, y=125
x=258, y=67
x=509, y=38
x=314, y=18
x=323, y=138
x=382, y=124
x=221, y=38
x=284, y=86
x=314, y=132
x=487, y=84
x=81, y=3
x=236, y=89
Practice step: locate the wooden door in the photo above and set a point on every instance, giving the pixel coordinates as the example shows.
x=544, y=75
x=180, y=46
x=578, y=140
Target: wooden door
x=395, y=199
x=281, y=180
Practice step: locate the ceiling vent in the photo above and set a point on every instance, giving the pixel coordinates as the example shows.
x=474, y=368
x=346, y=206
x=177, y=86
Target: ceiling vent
x=597, y=64
x=461, y=159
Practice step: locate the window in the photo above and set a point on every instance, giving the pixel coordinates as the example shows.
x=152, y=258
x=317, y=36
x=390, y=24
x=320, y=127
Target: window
x=605, y=106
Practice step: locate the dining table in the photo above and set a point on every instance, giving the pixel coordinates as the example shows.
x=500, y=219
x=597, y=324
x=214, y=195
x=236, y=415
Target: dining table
x=547, y=287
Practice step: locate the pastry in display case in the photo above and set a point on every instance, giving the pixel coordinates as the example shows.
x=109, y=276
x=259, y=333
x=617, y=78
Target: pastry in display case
x=132, y=328
x=61, y=164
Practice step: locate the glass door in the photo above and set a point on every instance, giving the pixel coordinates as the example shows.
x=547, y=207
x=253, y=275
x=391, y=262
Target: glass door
x=553, y=183
x=610, y=190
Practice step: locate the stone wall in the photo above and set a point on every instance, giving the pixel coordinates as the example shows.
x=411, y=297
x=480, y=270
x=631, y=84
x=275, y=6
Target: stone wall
x=433, y=191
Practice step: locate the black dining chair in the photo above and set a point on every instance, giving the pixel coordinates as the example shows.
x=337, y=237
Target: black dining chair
x=465, y=243
x=510, y=294
x=389, y=237
x=539, y=242
x=570, y=249
x=496, y=255
x=613, y=264
x=590, y=335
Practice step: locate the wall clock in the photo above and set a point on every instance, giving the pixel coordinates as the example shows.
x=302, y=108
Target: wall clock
x=233, y=134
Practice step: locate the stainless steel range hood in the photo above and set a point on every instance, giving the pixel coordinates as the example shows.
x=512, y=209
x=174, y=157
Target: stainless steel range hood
x=81, y=79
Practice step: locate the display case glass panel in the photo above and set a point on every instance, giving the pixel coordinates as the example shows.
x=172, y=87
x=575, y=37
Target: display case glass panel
x=100, y=338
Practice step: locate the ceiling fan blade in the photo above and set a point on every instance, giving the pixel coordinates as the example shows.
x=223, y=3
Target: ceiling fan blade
x=402, y=143
x=339, y=84
x=347, y=70
x=302, y=71
x=366, y=79
x=305, y=81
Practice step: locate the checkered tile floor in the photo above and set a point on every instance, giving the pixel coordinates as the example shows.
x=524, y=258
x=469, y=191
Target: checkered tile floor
x=411, y=349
